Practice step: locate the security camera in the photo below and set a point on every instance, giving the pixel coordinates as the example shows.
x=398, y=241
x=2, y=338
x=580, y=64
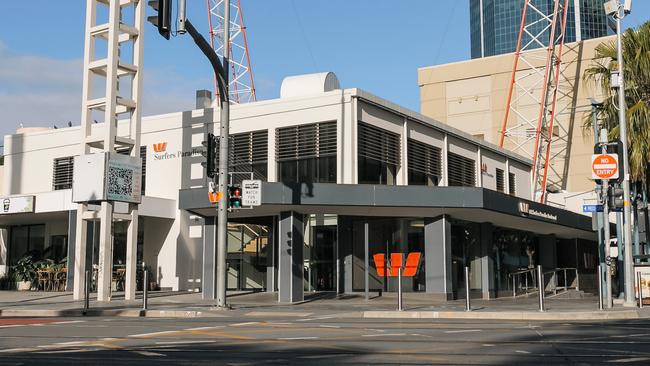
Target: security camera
x=627, y=6
x=611, y=7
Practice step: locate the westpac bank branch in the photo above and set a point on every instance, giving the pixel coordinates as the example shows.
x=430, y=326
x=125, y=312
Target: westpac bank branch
x=346, y=175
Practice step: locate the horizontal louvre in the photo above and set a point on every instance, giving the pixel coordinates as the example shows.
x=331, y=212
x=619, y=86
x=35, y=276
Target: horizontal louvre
x=249, y=148
x=378, y=144
x=501, y=184
x=424, y=158
x=62, y=173
x=306, y=141
x=512, y=184
x=461, y=170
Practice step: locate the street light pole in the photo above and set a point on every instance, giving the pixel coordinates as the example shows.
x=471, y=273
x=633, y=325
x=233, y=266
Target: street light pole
x=622, y=110
x=224, y=136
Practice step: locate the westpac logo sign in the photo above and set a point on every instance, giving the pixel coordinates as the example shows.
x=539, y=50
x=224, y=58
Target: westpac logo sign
x=160, y=152
x=525, y=210
x=524, y=207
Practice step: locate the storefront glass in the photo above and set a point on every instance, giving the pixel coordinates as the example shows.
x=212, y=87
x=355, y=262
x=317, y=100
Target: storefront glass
x=512, y=251
x=247, y=255
x=465, y=251
x=26, y=240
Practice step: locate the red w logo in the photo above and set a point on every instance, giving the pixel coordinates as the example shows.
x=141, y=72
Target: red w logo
x=392, y=269
x=160, y=147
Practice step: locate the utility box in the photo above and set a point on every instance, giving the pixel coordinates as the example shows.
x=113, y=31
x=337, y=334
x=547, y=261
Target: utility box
x=107, y=177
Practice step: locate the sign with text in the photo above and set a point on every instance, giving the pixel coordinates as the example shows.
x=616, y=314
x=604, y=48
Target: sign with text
x=17, y=204
x=251, y=192
x=604, y=166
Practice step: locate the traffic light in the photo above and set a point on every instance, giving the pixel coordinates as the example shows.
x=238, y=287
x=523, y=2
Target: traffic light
x=615, y=197
x=210, y=153
x=163, y=19
x=234, y=196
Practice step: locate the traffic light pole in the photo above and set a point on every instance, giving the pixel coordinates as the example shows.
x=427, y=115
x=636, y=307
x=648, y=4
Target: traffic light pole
x=622, y=109
x=606, y=233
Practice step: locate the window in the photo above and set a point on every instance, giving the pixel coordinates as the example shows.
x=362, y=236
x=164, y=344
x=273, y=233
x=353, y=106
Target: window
x=461, y=170
x=26, y=240
x=307, y=153
x=249, y=153
x=501, y=184
x=62, y=173
x=424, y=162
x=379, y=155
x=512, y=185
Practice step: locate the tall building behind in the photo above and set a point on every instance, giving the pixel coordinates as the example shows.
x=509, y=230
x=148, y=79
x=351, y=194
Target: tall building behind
x=494, y=24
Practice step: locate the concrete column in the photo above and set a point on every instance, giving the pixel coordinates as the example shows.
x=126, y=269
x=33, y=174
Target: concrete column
x=345, y=241
x=132, y=255
x=79, y=267
x=290, y=258
x=437, y=256
x=72, y=232
x=487, y=263
x=105, y=262
x=208, y=289
x=271, y=257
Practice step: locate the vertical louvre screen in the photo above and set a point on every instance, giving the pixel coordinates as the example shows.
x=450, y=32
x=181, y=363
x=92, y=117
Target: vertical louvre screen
x=249, y=153
x=461, y=170
x=424, y=158
x=306, y=141
x=62, y=173
x=512, y=184
x=501, y=184
x=378, y=144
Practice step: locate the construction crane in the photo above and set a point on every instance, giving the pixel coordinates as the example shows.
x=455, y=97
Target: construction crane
x=241, y=86
x=536, y=83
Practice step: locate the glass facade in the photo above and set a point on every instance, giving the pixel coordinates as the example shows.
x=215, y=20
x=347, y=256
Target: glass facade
x=27, y=240
x=494, y=24
x=247, y=255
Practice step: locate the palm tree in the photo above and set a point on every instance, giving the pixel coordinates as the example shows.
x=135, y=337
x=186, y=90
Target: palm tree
x=636, y=53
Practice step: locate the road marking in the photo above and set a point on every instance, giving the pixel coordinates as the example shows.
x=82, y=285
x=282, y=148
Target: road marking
x=625, y=360
x=153, y=334
x=463, y=331
x=149, y=353
x=206, y=328
x=488, y=345
x=525, y=352
x=329, y=326
x=70, y=322
x=185, y=342
x=278, y=313
x=296, y=338
x=10, y=350
x=67, y=351
x=243, y=324
x=13, y=326
x=383, y=335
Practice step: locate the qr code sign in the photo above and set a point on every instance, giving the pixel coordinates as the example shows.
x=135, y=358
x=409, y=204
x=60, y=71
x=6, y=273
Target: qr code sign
x=120, y=181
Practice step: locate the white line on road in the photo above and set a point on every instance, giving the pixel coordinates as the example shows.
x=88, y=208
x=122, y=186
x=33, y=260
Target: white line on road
x=243, y=324
x=633, y=359
x=150, y=354
x=206, y=328
x=463, y=331
x=11, y=350
x=519, y=351
x=296, y=338
x=153, y=334
x=69, y=322
x=185, y=342
x=383, y=335
x=329, y=326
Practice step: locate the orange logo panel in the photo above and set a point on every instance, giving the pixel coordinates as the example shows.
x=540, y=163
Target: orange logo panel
x=160, y=147
x=396, y=262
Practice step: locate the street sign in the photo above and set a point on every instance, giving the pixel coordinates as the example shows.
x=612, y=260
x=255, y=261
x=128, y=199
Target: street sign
x=251, y=192
x=604, y=166
x=592, y=208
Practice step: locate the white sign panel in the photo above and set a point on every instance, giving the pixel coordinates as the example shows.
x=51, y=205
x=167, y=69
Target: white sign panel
x=18, y=204
x=124, y=178
x=251, y=193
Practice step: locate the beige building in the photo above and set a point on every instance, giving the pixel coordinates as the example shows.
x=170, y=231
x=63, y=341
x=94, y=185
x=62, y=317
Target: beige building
x=471, y=96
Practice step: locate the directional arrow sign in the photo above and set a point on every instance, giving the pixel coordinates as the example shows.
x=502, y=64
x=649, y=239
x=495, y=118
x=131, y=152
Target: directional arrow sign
x=604, y=166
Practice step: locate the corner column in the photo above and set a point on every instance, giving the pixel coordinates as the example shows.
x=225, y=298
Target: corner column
x=208, y=289
x=487, y=263
x=437, y=256
x=290, y=257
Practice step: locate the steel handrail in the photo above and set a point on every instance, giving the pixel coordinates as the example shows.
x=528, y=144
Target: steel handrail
x=566, y=286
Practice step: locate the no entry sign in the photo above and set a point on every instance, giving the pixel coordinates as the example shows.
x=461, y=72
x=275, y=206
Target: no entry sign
x=604, y=166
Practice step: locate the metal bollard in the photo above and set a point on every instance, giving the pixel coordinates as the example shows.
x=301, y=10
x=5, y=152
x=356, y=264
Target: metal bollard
x=541, y=288
x=468, y=306
x=87, y=292
x=145, y=287
x=640, y=292
x=600, y=287
x=399, y=290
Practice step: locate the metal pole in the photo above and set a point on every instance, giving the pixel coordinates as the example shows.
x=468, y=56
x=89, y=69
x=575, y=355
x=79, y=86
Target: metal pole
x=181, y=17
x=606, y=234
x=640, y=291
x=366, y=262
x=468, y=306
x=399, y=289
x=145, y=286
x=514, y=286
x=541, y=288
x=87, y=291
x=222, y=217
x=600, y=287
x=627, y=217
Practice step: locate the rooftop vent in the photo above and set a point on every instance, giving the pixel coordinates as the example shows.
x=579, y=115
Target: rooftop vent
x=309, y=84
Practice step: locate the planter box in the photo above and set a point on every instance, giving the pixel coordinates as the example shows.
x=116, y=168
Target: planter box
x=23, y=285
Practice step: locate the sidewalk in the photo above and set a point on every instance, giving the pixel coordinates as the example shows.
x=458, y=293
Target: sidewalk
x=323, y=305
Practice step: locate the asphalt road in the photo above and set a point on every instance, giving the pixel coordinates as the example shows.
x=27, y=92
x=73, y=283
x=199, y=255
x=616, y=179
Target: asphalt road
x=248, y=339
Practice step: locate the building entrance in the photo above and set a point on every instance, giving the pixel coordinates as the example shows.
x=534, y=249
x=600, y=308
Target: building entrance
x=320, y=253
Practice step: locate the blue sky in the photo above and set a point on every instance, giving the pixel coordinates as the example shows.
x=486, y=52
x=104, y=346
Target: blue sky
x=376, y=45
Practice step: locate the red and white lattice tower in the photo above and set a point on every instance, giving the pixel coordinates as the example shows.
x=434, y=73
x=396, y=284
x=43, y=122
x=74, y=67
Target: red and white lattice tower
x=530, y=121
x=242, y=88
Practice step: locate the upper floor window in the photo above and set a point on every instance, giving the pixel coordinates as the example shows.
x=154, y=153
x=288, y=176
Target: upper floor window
x=512, y=184
x=461, y=170
x=249, y=154
x=62, y=170
x=424, y=162
x=378, y=155
x=307, y=153
x=501, y=182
